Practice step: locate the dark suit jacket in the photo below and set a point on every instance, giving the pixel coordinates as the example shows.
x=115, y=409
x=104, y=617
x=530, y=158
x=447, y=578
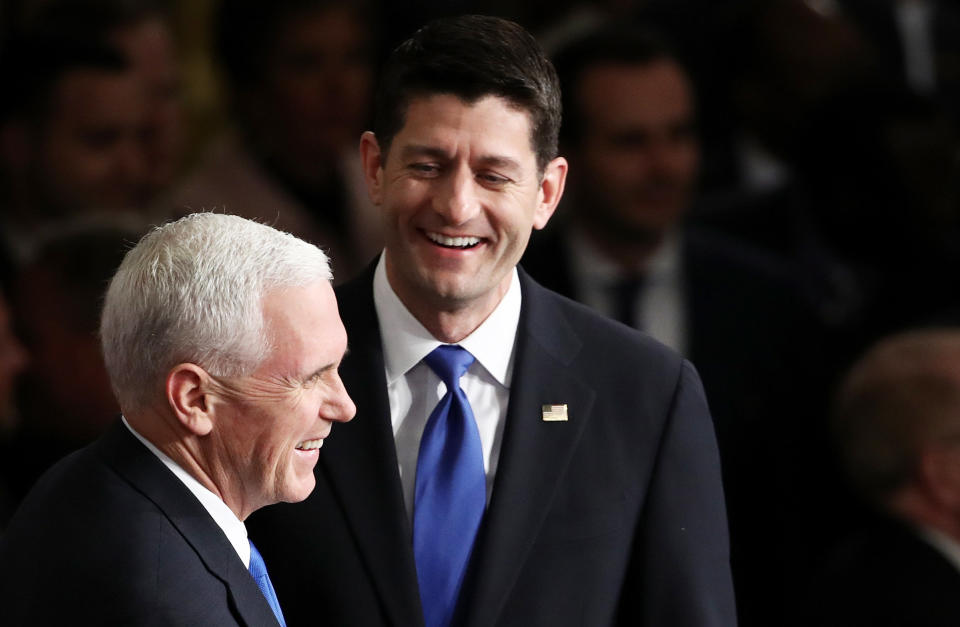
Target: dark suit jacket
x=613, y=517
x=109, y=536
x=886, y=576
x=756, y=347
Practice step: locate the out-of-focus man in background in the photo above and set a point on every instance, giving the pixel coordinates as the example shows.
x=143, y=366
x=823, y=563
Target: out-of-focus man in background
x=299, y=80
x=897, y=427
x=64, y=400
x=222, y=339
x=139, y=30
x=70, y=137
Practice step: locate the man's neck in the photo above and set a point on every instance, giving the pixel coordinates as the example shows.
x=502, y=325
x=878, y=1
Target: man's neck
x=450, y=324
x=186, y=451
x=630, y=254
x=449, y=320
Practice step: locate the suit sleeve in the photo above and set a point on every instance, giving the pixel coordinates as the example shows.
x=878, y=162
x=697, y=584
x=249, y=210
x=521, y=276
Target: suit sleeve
x=681, y=559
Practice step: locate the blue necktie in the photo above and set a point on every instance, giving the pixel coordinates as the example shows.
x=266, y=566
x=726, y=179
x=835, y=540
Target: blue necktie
x=451, y=491
x=259, y=572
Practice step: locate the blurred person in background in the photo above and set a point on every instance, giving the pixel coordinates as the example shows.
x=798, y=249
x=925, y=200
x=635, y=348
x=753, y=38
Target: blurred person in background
x=299, y=79
x=70, y=137
x=64, y=397
x=140, y=30
x=917, y=39
x=829, y=143
x=896, y=423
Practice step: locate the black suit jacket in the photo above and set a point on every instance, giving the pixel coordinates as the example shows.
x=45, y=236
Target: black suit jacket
x=886, y=576
x=109, y=536
x=757, y=348
x=615, y=516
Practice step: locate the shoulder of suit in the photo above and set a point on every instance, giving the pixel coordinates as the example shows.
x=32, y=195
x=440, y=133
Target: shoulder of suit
x=600, y=334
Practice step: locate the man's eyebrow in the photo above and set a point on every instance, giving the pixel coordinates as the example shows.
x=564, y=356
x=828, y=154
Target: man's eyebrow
x=489, y=161
x=422, y=150
x=499, y=161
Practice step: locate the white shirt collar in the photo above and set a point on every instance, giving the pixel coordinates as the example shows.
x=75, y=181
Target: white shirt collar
x=406, y=342
x=947, y=546
x=232, y=526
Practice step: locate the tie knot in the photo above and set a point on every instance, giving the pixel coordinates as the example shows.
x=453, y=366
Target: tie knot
x=449, y=361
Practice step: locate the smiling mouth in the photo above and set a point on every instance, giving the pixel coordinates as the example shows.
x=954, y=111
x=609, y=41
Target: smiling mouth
x=459, y=243
x=310, y=445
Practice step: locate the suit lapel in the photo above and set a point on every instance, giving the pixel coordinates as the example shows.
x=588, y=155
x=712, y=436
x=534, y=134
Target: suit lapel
x=361, y=461
x=147, y=474
x=535, y=452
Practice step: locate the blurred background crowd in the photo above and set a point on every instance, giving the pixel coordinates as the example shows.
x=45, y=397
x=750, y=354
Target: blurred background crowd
x=770, y=186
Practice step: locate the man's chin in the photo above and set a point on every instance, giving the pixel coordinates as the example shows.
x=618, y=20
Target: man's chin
x=448, y=287
x=300, y=490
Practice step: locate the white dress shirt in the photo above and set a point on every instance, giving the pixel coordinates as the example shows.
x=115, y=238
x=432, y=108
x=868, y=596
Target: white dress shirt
x=414, y=389
x=947, y=546
x=232, y=526
x=660, y=306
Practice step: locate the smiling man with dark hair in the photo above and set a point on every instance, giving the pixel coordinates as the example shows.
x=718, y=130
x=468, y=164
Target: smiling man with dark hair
x=523, y=461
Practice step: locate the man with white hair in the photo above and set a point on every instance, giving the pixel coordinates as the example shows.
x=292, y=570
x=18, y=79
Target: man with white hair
x=223, y=340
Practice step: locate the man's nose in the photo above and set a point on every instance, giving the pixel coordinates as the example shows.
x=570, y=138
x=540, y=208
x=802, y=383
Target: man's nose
x=340, y=408
x=457, y=200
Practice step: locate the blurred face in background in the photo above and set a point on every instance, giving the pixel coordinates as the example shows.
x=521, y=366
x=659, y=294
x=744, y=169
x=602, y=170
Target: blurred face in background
x=66, y=389
x=314, y=98
x=149, y=47
x=88, y=153
x=635, y=167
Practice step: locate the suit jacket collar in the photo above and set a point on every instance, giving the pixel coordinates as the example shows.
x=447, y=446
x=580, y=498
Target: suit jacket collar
x=534, y=456
x=535, y=452
x=147, y=474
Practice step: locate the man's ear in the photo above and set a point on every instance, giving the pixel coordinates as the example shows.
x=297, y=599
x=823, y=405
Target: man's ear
x=551, y=190
x=371, y=158
x=187, y=389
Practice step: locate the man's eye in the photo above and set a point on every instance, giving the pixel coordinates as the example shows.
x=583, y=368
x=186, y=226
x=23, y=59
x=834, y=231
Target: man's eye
x=312, y=380
x=493, y=179
x=425, y=169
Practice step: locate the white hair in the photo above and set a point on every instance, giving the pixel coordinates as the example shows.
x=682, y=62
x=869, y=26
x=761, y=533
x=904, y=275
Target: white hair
x=192, y=291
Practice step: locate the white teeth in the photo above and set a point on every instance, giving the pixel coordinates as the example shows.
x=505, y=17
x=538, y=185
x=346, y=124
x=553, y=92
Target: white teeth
x=309, y=445
x=456, y=242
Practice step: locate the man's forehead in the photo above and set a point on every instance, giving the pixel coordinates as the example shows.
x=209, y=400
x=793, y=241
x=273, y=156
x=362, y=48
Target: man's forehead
x=424, y=122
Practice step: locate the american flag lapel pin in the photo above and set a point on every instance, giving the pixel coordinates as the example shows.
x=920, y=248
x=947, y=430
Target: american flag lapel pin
x=554, y=413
